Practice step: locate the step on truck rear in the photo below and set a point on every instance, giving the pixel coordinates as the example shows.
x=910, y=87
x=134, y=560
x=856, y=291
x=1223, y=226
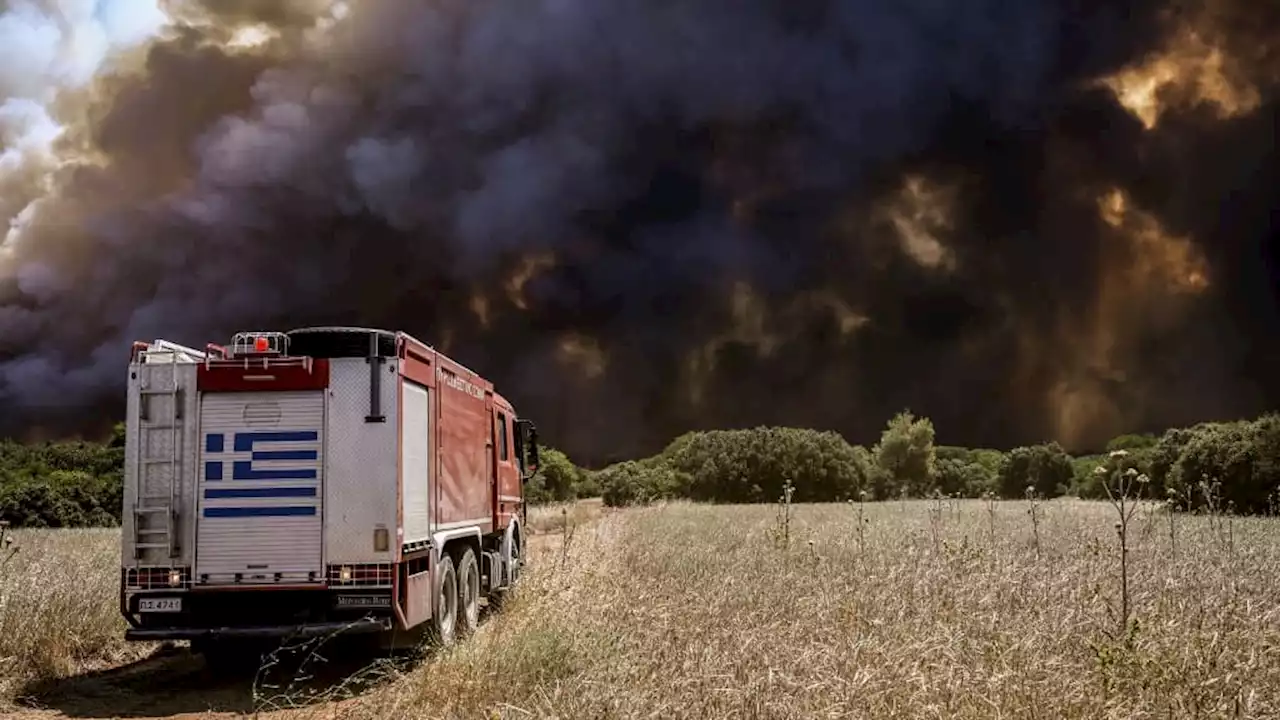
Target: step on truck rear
x=316, y=481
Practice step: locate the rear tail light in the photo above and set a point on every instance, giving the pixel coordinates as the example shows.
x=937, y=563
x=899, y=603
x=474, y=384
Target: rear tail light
x=157, y=578
x=361, y=575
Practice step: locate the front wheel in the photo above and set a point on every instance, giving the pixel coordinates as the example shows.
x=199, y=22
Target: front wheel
x=444, y=617
x=512, y=556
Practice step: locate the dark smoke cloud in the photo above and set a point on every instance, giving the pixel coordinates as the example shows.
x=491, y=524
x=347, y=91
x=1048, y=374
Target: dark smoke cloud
x=403, y=166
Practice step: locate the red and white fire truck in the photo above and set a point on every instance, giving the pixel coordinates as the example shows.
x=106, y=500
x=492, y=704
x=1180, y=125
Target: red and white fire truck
x=316, y=481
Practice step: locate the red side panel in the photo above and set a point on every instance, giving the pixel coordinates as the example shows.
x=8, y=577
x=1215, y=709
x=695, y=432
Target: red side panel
x=418, y=367
x=254, y=376
x=470, y=477
x=463, y=493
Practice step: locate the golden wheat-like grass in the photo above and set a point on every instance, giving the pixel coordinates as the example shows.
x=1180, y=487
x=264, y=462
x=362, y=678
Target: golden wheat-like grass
x=554, y=517
x=694, y=611
x=58, y=606
x=935, y=610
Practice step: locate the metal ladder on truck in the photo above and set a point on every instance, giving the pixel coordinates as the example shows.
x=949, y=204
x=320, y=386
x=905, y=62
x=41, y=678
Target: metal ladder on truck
x=155, y=511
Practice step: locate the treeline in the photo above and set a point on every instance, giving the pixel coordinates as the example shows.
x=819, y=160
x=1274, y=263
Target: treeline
x=66, y=484
x=1232, y=466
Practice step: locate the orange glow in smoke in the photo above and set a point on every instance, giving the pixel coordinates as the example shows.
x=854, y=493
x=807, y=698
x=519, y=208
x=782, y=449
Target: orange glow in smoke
x=530, y=266
x=1189, y=71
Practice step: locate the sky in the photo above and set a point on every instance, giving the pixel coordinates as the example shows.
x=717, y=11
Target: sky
x=1044, y=220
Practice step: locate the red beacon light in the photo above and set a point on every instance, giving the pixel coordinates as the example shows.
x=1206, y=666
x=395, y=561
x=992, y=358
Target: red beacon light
x=258, y=343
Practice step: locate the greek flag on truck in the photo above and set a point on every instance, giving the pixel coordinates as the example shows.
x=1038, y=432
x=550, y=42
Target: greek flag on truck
x=253, y=469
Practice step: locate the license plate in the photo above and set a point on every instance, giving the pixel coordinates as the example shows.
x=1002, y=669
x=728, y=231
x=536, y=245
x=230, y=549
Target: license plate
x=364, y=601
x=160, y=605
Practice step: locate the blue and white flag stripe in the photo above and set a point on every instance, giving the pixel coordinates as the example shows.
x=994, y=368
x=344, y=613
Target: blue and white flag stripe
x=250, y=465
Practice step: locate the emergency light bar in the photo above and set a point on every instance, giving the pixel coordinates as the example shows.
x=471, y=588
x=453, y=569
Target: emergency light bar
x=259, y=343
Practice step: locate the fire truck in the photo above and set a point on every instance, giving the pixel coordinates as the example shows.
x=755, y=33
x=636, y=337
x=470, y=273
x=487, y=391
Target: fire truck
x=326, y=480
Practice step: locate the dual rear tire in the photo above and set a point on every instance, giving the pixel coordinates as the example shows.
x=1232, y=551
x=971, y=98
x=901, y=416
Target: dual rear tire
x=444, y=621
x=457, y=595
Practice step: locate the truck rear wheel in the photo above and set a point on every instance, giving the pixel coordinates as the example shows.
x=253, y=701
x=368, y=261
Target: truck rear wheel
x=444, y=619
x=468, y=590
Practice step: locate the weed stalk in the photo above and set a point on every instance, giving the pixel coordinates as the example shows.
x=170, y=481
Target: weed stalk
x=1034, y=511
x=990, y=498
x=935, y=521
x=1122, y=487
x=7, y=548
x=862, y=522
x=567, y=533
x=782, y=532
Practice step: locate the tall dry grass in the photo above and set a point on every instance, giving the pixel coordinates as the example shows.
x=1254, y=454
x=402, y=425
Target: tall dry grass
x=933, y=610
x=941, y=610
x=58, y=606
x=557, y=517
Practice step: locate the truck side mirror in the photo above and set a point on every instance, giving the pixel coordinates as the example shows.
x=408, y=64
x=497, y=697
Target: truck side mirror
x=529, y=438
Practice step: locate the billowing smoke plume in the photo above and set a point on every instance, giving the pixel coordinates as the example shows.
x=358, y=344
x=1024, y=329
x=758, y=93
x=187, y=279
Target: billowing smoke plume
x=1030, y=220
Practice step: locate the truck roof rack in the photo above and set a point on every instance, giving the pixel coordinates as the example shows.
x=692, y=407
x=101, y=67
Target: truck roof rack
x=165, y=351
x=259, y=343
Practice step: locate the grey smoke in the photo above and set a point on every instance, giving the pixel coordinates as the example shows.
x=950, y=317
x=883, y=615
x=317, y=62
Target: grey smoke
x=382, y=173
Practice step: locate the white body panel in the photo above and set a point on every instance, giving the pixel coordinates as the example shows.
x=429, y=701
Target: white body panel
x=360, y=485
x=260, y=489
x=415, y=463
x=149, y=469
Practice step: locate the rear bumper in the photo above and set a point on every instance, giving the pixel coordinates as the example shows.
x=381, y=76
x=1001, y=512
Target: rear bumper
x=365, y=625
x=260, y=613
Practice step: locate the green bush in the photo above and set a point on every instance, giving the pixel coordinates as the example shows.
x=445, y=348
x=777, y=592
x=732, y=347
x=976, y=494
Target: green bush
x=1085, y=483
x=72, y=484
x=906, y=458
x=962, y=472
x=743, y=466
x=588, y=484
x=1132, y=442
x=558, y=479
x=1236, y=465
x=559, y=475
x=1091, y=484
x=1046, y=469
x=638, y=482
x=1165, y=454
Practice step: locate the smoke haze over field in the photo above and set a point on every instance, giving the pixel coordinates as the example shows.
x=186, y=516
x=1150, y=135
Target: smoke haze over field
x=1026, y=220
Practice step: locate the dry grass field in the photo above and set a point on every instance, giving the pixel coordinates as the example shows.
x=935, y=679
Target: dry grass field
x=931, y=610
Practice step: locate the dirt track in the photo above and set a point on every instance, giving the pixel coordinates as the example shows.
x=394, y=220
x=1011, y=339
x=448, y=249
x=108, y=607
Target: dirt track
x=173, y=683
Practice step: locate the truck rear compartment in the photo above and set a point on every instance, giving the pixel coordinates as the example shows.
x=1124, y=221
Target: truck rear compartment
x=260, y=493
